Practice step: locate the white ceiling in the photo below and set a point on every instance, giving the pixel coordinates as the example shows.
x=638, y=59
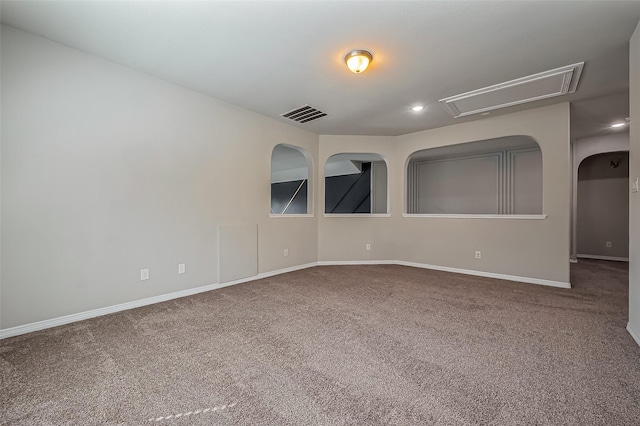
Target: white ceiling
x=270, y=57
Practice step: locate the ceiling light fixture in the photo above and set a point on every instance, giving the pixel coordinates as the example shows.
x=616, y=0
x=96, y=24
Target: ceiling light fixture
x=417, y=108
x=620, y=123
x=358, y=60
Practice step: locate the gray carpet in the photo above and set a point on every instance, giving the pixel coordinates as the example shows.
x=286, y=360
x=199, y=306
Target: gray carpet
x=341, y=345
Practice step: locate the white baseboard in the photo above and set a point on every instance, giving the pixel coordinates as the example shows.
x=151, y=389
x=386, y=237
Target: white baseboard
x=593, y=256
x=67, y=319
x=356, y=262
x=636, y=336
x=271, y=273
x=538, y=281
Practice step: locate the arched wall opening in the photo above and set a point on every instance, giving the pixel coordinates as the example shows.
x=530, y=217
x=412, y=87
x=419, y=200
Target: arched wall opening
x=501, y=176
x=291, y=184
x=356, y=183
x=602, y=222
x=580, y=150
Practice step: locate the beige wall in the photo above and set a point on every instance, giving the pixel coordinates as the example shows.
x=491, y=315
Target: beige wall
x=106, y=171
x=527, y=248
x=344, y=238
x=634, y=173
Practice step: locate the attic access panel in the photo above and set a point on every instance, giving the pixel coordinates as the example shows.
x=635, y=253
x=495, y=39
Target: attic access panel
x=547, y=84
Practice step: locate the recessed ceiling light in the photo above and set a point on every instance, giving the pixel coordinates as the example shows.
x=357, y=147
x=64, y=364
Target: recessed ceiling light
x=417, y=108
x=620, y=123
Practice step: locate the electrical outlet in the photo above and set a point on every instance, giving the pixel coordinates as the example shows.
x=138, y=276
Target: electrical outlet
x=478, y=254
x=286, y=252
x=367, y=247
x=144, y=274
x=182, y=268
x=608, y=244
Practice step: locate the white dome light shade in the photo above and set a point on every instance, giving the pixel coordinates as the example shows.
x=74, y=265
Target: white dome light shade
x=358, y=60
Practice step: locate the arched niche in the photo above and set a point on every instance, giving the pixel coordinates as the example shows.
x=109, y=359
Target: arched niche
x=582, y=149
x=501, y=176
x=290, y=181
x=602, y=221
x=356, y=183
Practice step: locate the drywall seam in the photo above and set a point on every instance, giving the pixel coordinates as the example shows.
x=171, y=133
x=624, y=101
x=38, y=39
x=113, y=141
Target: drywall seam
x=636, y=336
x=67, y=319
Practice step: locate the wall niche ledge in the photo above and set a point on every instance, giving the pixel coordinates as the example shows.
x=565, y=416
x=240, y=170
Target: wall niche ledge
x=480, y=216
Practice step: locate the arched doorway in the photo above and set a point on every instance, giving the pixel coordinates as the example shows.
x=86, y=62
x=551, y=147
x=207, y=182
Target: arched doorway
x=603, y=207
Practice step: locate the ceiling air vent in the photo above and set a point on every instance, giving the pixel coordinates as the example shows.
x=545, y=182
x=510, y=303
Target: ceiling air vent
x=304, y=114
x=547, y=84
